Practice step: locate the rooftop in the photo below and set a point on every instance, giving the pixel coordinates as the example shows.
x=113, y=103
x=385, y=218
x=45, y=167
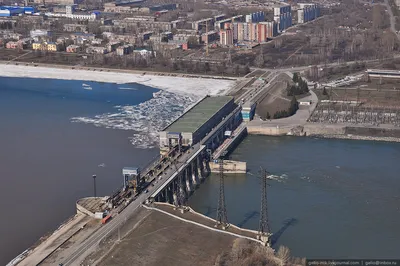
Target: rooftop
x=193, y=119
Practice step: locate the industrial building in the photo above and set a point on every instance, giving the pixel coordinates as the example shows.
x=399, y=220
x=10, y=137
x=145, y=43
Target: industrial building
x=58, y=2
x=283, y=17
x=197, y=122
x=307, y=12
x=383, y=73
x=248, y=111
x=91, y=17
x=9, y=11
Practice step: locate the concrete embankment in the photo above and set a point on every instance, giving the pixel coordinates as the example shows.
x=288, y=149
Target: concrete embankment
x=356, y=132
x=268, y=129
x=36, y=255
x=230, y=167
x=339, y=131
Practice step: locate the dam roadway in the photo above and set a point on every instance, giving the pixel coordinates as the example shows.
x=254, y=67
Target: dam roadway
x=86, y=247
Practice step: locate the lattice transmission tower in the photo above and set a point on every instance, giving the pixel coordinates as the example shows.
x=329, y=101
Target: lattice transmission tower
x=222, y=217
x=264, y=230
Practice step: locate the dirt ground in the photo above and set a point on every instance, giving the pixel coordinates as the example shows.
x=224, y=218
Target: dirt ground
x=276, y=99
x=158, y=239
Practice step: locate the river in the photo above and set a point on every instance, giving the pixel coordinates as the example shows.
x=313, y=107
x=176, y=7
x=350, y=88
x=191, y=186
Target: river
x=47, y=160
x=327, y=198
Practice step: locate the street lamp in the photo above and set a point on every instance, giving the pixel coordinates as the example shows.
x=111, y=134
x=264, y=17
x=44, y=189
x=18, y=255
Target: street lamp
x=94, y=184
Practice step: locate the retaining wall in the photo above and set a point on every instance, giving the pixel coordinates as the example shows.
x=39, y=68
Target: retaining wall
x=230, y=167
x=267, y=130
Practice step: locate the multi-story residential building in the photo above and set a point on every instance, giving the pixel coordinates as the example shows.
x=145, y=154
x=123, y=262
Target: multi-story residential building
x=46, y=46
x=283, y=17
x=75, y=28
x=96, y=50
x=266, y=30
x=112, y=46
x=307, y=12
x=82, y=35
x=10, y=35
x=254, y=32
x=156, y=38
x=125, y=49
x=226, y=37
x=90, y=17
x=16, y=45
x=114, y=8
x=222, y=24
x=144, y=53
x=210, y=36
x=255, y=17
x=58, y=2
x=201, y=24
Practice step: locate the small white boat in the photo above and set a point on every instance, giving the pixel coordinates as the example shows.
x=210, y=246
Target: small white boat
x=88, y=88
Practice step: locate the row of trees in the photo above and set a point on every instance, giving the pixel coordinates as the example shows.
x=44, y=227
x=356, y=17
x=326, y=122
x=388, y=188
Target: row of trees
x=294, y=106
x=299, y=87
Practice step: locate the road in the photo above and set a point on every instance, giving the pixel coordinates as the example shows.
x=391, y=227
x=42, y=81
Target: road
x=86, y=247
x=303, y=68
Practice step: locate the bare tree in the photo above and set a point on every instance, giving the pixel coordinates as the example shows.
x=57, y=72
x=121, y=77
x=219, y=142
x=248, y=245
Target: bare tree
x=283, y=255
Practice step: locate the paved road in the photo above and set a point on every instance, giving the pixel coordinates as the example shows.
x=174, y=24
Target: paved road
x=82, y=250
x=302, y=68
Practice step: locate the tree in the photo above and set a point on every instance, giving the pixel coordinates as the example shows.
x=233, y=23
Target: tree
x=295, y=77
x=207, y=67
x=259, y=60
x=377, y=18
x=268, y=115
x=193, y=41
x=324, y=92
x=283, y=254
x=294, y=106
x=246, y=69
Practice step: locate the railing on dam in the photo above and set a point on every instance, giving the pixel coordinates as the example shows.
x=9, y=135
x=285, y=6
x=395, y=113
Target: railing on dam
x=220, y=125
x=228, y=142
x=182, y=167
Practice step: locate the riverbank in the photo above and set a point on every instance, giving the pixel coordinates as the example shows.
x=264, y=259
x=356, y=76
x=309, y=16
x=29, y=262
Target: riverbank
x=173, y=82
x=388, y=133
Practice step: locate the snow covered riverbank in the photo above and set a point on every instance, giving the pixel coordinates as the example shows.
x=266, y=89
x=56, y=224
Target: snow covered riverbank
x=146, y=119
x=194, y=86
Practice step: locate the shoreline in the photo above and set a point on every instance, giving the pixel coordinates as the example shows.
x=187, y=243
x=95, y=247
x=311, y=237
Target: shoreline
x=356, y=137
x=186, y=84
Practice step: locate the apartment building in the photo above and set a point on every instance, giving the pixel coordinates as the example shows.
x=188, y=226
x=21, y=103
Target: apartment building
x=226, y=37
